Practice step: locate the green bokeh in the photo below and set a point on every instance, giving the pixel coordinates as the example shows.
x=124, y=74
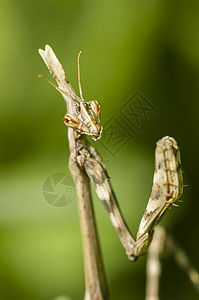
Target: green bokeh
x=150, y=46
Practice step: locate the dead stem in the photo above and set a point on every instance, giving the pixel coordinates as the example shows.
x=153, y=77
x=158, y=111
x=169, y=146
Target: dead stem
x=96, y=287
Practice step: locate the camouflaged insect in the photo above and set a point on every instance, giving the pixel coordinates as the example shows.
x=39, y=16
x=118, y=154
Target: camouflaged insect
x=84, y=118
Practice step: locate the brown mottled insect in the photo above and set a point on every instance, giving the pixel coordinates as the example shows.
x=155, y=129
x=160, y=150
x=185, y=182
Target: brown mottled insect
x=84, y=118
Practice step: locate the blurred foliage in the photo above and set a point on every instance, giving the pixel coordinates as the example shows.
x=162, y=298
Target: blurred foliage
x=150, y=46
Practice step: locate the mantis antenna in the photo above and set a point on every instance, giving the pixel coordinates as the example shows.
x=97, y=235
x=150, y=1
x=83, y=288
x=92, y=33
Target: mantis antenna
x=57, y=88
x=79, y=81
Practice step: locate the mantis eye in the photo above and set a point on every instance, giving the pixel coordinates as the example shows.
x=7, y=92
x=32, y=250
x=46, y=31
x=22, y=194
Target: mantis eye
x=66, y=120
x=70, y=121
x=95, y=106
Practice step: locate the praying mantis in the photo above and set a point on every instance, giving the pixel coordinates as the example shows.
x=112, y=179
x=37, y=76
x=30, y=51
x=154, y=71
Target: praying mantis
x=86, y=165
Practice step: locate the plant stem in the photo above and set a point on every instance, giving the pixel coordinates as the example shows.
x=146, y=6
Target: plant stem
x=95, y=281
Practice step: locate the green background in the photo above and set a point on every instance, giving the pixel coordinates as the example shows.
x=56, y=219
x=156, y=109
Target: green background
x=147, y=46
